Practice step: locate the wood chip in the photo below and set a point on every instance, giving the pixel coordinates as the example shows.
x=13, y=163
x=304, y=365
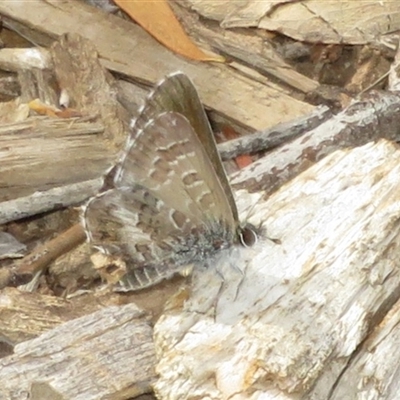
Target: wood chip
x=95, y=356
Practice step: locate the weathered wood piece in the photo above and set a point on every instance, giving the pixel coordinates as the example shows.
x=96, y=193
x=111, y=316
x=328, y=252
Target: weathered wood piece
x=48, y=200
x=43, y=255
x=41, y=153
x=35, y=70
x=280, y=134
x=89, y=86
x=107, y=354
x=288, y=325
x=376, y=115
x=24, y=316
x=127, y=49
x=17, y=59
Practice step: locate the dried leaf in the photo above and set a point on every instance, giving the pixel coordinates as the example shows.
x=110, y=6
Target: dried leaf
x=51, y=111
x=68, y=113
x=42, y=108
x=243, y=160
x=157, y=18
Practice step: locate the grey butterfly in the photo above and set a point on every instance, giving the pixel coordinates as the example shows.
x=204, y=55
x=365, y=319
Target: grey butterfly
x=167, y=204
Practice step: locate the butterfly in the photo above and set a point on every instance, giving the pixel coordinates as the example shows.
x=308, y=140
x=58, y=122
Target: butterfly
x=167, y=203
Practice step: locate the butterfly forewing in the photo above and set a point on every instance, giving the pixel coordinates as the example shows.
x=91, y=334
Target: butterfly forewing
x=177, y=93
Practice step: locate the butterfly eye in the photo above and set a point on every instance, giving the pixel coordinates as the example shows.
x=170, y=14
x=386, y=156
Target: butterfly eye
x=248, y=236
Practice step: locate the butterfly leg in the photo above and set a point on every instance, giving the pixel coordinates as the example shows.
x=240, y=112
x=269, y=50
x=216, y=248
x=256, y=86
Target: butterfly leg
x=219, y=293
x=242, y=278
